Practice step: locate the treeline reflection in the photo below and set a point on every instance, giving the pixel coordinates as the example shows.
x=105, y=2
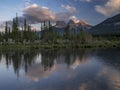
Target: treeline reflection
x=48, y=58
x=25, y=59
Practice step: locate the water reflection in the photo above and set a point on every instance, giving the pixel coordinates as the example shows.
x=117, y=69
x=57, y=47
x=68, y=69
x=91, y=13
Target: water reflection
x=61, y=70
x=24, y=59
x=18, y=59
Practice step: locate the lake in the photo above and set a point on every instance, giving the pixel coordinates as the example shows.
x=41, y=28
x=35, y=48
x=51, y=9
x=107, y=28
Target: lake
x=60, y=70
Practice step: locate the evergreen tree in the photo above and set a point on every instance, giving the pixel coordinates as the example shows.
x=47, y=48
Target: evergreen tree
x=67, y=32
x=41, y=27
x=25, y=36
x=6, y=32
x=44, y=25
x=1, y=37
x=15, y=30
x=9, y=33
x=25, y=25
x=52, y=34
x=6, y=28
x=42, y=31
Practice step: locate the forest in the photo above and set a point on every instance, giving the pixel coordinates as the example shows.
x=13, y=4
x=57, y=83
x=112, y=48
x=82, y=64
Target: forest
x=48, y=38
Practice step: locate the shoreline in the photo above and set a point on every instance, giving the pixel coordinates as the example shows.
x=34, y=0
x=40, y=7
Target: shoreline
x=57, y=46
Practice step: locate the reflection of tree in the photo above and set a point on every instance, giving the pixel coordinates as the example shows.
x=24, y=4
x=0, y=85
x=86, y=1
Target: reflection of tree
x=19, y=59
x=7, y=59
x=71, y=55
x=48, y=58
x=16, y=60
x=29, y=58
x=24, y=59
x=0, y=56
x=67, y=58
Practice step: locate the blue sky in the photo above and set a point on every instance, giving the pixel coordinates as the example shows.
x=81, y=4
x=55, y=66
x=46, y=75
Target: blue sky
x=93, y=11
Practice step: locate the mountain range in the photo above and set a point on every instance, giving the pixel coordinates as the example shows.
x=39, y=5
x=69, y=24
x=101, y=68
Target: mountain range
x=73, y=25
x=80, y=24
x=108, y=26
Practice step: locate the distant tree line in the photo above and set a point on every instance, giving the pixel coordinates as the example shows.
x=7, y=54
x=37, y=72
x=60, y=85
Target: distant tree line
x=16, y=35
x=49, y=35
x=24, y=34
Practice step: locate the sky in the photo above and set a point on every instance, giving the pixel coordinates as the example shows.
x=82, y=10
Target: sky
x=92, y=11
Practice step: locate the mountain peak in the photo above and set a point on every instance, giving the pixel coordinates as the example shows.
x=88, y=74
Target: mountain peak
x=60, y=24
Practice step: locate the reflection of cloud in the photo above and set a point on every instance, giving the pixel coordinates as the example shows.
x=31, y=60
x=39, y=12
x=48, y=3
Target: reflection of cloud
x=111, y=75
x=111, y=7
x=83, y=86
x=37, y=72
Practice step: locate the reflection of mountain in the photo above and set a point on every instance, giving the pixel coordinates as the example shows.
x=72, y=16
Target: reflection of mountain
x=84, y=74
x=110, y=56
x=53, y=61
x=25, y=59
x=64, y=69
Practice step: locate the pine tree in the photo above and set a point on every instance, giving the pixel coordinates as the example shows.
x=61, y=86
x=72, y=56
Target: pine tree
x=6, y=28
x=41, y=27
x=6, y=32
x=52, y=33
x=67, y=32
x=49, y=25
x=17, y=25
x=44, y=25
x=9, y=33
x=15, y=30
x=25, y=25
x=25, y=30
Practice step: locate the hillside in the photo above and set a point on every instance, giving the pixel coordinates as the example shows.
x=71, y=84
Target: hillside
x=109, y=26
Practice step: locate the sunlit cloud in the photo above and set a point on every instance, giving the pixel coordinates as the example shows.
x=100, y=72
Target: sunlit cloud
x=84, y=0
x=41, y=13
x=111, y=7
x=69, y=8
x=38, y=12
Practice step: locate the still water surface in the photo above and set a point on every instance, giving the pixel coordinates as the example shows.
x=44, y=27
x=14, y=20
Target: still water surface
x=60, y=70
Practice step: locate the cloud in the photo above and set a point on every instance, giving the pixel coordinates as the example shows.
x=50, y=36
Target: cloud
x=38, y=12
x=63, y=16
x=111, y=7
x=69, y=8
x=35, y=13
x=84, y=0
x=27, y=2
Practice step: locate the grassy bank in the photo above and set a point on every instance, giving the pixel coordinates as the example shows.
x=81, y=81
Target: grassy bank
x=59, y=46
